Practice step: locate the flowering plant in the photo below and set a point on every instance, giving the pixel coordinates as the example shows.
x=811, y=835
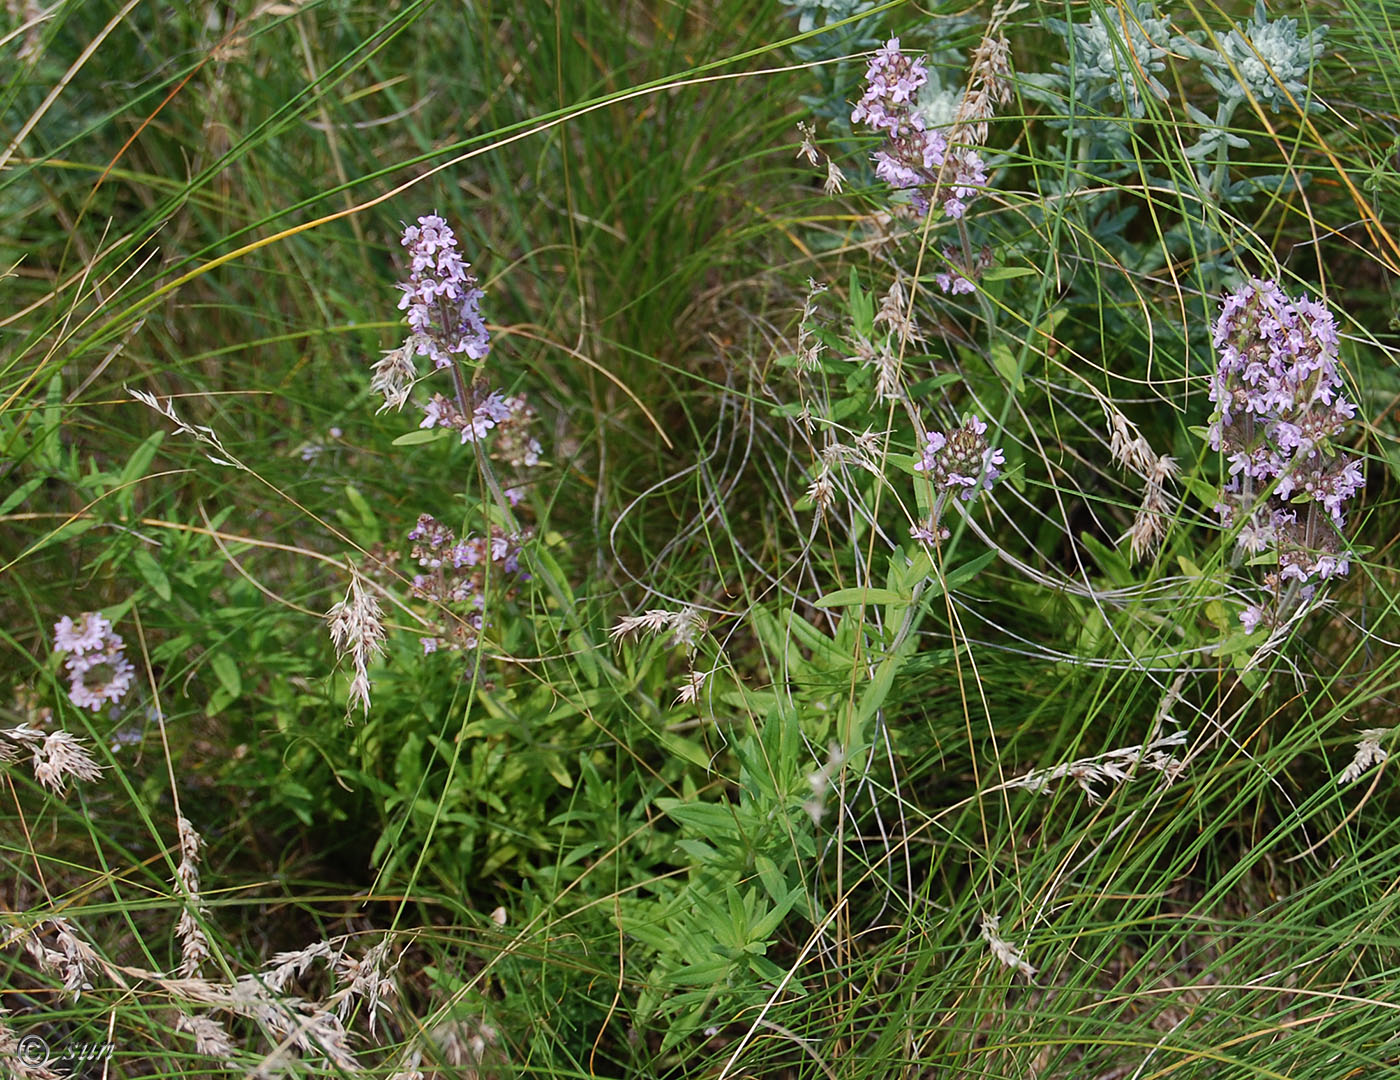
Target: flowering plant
x=913, y=156
x=1278, y=410
x=98, y=671
x=442, y=300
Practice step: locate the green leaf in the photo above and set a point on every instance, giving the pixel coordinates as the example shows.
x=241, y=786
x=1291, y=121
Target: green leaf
x=1206, y=494
x=877, y=689
x=706, y=974
x=855, y=597
x=140, y=459
x=1007, y=365
x=1110, y=561
x=862, y=308
x=1189, y=568
x=49, y=448
x=926, y=387
x=67, y=531
x=709, y=818
x=226, y=670
x=413, y=438
x=583, y=649
x=763, y=929
x=961, y=575
x=1004, y=273
x=19, y=494
x=774, y=882
x=152, y=574
x=361, y=505
x=687, y=749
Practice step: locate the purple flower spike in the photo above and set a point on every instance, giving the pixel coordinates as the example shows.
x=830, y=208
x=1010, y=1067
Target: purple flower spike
x=441, y=296
x=1278, y=408
x=892, y=82
x=912, y=157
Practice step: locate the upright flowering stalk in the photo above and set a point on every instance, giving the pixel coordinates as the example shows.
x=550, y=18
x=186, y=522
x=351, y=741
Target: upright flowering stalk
x=98, y=671
x=913, y=155
x=917, y=156
x=959, y=462
x=441, y=296
x=442, y=304
x=1278, y=410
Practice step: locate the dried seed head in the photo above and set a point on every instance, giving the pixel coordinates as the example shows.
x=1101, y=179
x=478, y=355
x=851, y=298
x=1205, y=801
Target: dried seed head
x=691, y=686
x=57, y=756
x=835, y=179
x=393, y=376
x=357, y=630
x=1003, y=950
x=1369, y=753
x=194, y=946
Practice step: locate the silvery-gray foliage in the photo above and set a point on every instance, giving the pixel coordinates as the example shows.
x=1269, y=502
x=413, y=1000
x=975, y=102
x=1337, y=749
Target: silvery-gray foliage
x=1268, y=62
x=1112, y=56
x=813, y=13
x=1112, y=62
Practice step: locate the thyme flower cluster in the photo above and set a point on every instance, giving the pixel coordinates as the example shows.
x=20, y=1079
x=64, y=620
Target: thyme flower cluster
x=442, y=301
x=913, y=156
x=956, y=278
x=98, y=671
x=1278, y=411
x=454, y=578
x=441, y=296
x=958, y=462
x=961, y=461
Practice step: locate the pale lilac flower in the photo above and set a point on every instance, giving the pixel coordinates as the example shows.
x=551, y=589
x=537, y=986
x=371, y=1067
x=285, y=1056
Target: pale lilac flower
x=491, y=412
x=892, y=79
x=968, y=174
x=959, y=279
x=952, y=281
x=916, y=157
x=961, y=460
x=913, y=156
x=1251, y=617
x=514, y=444
x=928, y=534
x=98, y=671
x=441, y=296
x=98, y=679
x=457, y=579
x=1278, y=406
x=88, y=633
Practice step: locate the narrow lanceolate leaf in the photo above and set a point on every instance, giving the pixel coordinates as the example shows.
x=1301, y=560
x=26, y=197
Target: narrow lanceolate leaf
x=857, y=597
